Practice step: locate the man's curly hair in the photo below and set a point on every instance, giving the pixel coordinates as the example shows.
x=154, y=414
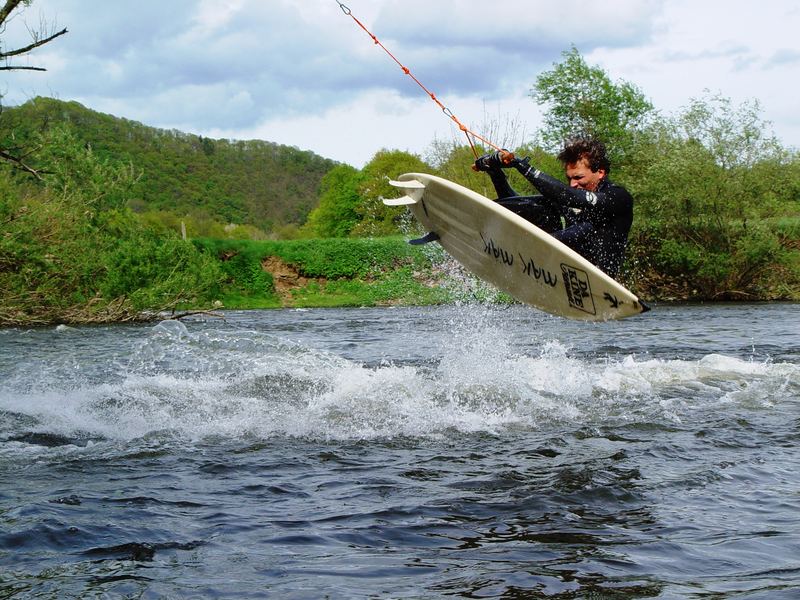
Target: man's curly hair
x=594, y=151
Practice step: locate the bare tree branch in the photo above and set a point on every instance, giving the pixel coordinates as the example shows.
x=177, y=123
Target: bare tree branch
x=9, y=154
x=20, y=163
x=8, y=9
x=8, y=68
x=32, y=46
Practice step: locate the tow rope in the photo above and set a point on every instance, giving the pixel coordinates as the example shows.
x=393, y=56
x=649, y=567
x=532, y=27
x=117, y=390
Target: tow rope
x=471, y=135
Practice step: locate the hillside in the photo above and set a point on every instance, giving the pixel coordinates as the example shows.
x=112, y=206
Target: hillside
x=256, y=182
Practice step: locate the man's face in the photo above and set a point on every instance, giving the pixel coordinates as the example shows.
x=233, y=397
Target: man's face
x=581, y=176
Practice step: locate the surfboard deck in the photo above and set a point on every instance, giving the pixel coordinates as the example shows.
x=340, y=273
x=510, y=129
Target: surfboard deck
x=511, y=253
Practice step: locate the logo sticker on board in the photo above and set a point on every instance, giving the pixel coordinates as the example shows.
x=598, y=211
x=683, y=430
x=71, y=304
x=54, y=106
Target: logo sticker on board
x=579, y=293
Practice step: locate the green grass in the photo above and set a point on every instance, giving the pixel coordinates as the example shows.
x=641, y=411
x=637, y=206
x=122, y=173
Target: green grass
x=389, y=271
x=343, y=272
x=235, y=301
x=395, y=287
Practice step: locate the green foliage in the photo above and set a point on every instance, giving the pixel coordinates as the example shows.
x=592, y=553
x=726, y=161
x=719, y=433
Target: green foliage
x=734, y=136
x=335, y=215
x=155, y=272
x=199, y=224
x=326, y=258
x=241, y=263
x=251, y=182
x=454, y=162
x=582, y=99
x=375, y=218
x=395, y=287
x=334, y=259
x=709, y=184
x=71, y=252
x=343, y=271
x=717, y=204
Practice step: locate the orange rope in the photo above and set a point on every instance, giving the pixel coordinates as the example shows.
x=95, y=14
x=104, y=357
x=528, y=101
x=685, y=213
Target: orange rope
x=433, y=97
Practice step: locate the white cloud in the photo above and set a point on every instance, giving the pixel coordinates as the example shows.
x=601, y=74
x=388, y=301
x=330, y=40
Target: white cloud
x=352, y=132
x=304, y=73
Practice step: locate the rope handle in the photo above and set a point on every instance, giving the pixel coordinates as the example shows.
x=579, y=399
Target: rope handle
x=506, y=157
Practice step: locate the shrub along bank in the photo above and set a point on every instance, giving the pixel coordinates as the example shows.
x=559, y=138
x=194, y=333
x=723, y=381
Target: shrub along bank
x=328, y=272
x=383, y=271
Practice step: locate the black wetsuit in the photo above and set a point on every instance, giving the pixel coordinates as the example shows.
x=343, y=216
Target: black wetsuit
x=598, y=232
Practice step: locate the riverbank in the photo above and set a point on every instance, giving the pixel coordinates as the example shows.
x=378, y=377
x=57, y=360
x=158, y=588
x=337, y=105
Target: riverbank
x=389, y=271
x=368, y=272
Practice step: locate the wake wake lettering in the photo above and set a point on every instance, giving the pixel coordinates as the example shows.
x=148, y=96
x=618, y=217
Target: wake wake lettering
x=492, y=249
x=529, y=266
x=539, y=273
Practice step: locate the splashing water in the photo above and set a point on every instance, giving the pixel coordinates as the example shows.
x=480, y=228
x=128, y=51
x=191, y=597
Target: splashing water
x=199, y=381
x=426, y=452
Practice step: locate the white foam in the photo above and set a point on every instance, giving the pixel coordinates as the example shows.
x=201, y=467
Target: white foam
x=235, y=384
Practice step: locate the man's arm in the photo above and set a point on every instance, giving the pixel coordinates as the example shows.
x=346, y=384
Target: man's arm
x=501, y=185
x=491, y=164
x=565, y=195
x=555, y=189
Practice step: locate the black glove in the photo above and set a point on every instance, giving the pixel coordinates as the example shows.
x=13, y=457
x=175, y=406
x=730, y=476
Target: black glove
x=522, y=164
x=494, y=161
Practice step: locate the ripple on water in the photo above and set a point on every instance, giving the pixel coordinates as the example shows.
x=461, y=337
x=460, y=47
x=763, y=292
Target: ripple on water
x=495, y=454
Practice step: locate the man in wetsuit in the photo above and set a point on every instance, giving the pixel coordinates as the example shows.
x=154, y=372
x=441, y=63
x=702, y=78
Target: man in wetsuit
x=591, y=215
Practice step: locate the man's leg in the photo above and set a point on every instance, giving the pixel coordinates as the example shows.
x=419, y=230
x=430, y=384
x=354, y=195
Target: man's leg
x=579, y=237
x=534, y=209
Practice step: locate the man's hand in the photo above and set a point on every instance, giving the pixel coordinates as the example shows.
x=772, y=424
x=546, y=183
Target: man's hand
x=500, y=159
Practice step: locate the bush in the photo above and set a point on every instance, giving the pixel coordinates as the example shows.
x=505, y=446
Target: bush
x=72, y=252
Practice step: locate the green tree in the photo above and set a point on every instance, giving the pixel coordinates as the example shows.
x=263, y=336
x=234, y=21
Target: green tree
x=335, y=215
x=708, y=185
x=71, y=251
x=582, y=99
x=375, y=218
x=454, y=162
x=254, y=182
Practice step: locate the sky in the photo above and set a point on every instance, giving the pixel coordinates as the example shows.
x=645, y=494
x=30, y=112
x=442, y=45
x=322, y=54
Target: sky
x=303, y=73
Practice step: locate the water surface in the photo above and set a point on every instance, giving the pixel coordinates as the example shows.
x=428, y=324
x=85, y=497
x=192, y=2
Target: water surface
x=404, y=453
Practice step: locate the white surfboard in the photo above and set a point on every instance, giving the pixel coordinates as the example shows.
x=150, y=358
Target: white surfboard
x=511, y=253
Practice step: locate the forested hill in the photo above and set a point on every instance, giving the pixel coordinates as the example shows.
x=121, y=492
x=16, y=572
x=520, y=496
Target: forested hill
x=256, y=182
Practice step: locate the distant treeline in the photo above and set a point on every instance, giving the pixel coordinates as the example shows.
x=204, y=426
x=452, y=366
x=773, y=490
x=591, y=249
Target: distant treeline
x=253, y=182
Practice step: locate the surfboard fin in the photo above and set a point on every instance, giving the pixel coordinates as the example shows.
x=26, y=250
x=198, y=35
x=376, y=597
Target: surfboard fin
x=402, y=201
x=431, y=236
x=413, y=190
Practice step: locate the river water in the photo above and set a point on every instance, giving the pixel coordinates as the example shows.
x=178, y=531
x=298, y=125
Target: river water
x=461, y=451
